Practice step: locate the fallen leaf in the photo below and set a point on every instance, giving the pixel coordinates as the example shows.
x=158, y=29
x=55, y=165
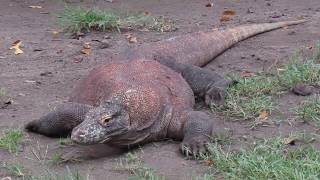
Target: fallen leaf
x=86, y=51
x=263, y=115
x=86, y=45
x=209, y=162
x=35, y=7
x=227, y=15
x=225, y=18
x=16, y=46
x=246, y=74
x=55, y=34
x=289, y=141
x=309, y=47
x=146, y=13
x=210, y=4
x=131, y=38
x=229, y=12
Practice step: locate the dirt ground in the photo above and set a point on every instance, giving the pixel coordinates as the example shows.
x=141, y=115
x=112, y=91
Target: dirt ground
x=51, y=65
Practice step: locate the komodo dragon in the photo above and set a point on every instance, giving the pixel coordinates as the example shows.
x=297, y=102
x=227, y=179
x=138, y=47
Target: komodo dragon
x=150, y=97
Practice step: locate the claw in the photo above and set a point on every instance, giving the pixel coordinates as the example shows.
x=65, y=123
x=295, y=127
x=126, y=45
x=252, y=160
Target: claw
x=195, y=146
x=215, y=96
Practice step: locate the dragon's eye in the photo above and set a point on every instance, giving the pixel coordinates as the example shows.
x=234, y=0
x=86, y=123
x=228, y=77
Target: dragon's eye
x=105, y=119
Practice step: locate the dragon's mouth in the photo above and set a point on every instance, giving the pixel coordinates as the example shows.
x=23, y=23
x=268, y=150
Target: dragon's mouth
x=105, y=140
x=113, y=134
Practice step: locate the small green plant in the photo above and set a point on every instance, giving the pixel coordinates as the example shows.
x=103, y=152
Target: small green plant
x=265, y=159
x=2, y=92
x=134, y=165
x=56, y=158
x=310, y=110
x=64, y=142
x=77, y=19
x=11, y=139
x=15, y=170
x=316, y=53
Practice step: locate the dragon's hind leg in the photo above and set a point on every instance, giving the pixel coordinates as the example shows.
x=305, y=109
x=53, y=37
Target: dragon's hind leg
x=206, y=84
x=60, y=121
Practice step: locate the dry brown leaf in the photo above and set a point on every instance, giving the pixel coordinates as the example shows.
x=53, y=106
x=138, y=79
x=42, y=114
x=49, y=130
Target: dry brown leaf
x=263, y=115
x=289, y=141
x=147, y=13
x=225, y=18
x=86, y=45
x=35, y=7
x=16, y=46
x=131, y=38
x=86, y=51
x=210, y=4
x=309, y=47
x=209, y=162
x=55, y=34
x=246, y=74
x=227, y=15
x=229, y=12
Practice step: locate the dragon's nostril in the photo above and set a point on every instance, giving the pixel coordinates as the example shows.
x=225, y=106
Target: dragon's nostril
x=77, y=136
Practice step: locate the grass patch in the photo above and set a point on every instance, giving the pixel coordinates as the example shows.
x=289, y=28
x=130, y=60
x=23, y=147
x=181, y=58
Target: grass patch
x=18, y=171
x=56, y=158
x=299, y=72
x=265, y=159
x=249, y=97
x=77, y=19
x=310, y=110
x=69, y=175
x=137, y=169
x=15, y=170
x=64, y=142
x=11, y=139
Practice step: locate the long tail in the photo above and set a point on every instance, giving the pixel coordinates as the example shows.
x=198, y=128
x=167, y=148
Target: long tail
x=201, y=47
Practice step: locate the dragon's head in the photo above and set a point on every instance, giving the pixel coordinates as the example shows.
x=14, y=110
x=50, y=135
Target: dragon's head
x=102, y=123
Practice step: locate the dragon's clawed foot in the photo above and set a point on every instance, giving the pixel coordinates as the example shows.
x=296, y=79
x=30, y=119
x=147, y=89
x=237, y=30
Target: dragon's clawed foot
x=195, y=145
x=215, y=96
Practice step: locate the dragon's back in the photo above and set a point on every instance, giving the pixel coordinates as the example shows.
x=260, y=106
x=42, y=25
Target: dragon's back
x=146, y=87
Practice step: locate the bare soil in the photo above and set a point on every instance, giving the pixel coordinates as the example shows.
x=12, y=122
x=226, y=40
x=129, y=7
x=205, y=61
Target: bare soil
x=51, y=65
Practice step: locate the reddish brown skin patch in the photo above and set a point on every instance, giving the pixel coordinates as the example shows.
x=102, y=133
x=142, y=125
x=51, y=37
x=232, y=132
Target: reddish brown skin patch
x=146, y=87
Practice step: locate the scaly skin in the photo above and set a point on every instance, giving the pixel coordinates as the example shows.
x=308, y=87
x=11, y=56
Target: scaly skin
x=150, y=97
